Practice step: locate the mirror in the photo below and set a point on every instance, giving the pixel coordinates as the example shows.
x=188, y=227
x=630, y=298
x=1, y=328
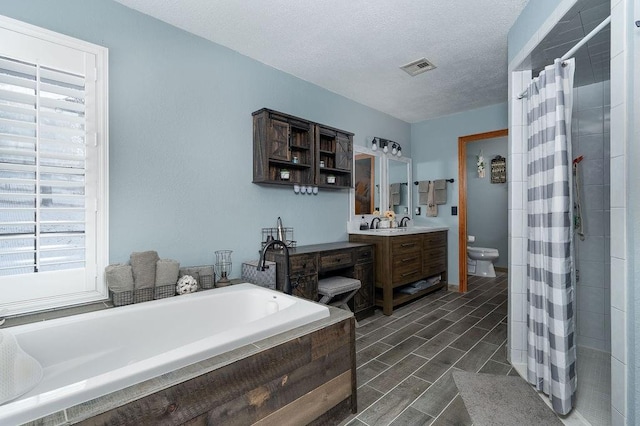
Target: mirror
x=399, y=187
x=366, y=181
x=374, y=172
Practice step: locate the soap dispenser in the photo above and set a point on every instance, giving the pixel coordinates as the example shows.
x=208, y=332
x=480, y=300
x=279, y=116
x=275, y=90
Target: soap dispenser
x=364, y=225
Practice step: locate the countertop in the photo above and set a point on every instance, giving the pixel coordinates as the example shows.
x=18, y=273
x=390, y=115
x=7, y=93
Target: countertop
x=390, y=232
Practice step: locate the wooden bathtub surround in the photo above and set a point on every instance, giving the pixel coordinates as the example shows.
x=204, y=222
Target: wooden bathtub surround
x=404, y=259
x=303, y=376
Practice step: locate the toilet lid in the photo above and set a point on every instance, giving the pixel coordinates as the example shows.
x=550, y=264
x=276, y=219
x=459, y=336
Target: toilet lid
x=482, y=250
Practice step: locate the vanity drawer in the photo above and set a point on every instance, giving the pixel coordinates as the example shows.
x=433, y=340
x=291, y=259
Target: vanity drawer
x=434, y=239
x=364, y=255
x=405, y=244
x=336, y=260
x=305, y=264
x=407, y=268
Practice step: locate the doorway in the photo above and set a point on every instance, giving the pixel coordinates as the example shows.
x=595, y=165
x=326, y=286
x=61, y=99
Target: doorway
x=462, y=198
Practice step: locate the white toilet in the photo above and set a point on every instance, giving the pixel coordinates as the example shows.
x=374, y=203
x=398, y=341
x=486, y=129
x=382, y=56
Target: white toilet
x=480, y=261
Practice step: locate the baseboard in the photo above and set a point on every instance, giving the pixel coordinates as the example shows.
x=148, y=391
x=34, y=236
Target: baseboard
x=501, y=269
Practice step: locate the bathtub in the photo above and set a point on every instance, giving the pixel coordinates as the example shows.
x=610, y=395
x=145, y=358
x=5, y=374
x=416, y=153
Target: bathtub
x=90, y=355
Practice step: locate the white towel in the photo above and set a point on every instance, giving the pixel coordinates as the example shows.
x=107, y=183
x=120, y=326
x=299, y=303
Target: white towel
x=167, y=272
x=143, y=265
x=119, y=277
x=394, y=194
x=19, y=372
x=432, y=207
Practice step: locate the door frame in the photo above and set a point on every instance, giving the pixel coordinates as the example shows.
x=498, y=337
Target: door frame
x=462, y=199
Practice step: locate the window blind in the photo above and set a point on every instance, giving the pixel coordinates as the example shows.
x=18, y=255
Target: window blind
x=42, y=168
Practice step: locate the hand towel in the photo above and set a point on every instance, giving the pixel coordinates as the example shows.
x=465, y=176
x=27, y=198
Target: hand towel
x=432, y=207
x=423, y=191
x=119, y=277
x=440, y=191
x=143, y=265
x=394, y=194
x=20, y=372
x=167, y=272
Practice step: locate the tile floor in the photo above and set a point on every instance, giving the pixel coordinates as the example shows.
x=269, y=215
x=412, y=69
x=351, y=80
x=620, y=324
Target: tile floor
x=405, y=360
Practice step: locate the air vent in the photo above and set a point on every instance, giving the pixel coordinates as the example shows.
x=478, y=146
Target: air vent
x=417, y=67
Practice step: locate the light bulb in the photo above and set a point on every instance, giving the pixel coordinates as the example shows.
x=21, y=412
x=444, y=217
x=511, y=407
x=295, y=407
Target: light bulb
x=385, y=149
x=399, y=154
x=394, y=150
x=374, y=146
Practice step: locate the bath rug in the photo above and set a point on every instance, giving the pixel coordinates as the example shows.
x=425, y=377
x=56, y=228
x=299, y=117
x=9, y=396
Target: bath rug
x=144, y=269
x=493, y=400
x=119, y=277
x=19, y=371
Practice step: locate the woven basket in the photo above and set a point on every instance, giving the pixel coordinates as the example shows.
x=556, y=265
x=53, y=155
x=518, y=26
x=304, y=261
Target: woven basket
x=203, y=274
x=128, y=297
x=162, y=291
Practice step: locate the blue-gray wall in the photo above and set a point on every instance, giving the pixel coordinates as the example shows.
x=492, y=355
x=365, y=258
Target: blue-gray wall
x=434, y=145
x=181, y=136
x=487, y=203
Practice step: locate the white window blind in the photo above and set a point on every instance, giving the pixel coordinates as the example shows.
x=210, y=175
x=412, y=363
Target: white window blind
x=52, y=171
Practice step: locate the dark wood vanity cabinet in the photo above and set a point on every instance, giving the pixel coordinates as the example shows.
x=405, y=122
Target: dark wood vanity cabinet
x=288, y=150
x=405, y=259
x=313, y=262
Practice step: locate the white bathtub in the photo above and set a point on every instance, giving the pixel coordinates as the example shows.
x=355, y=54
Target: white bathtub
x=89, y=355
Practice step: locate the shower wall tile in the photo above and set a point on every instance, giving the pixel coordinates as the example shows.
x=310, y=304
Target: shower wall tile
x=598, y=344
x=592, y=172
x=593, y=223
x=591, y=248
x=589, y=146
x=618, y=233
x=606, y=85
x=515, y=223
x=591, y=300
x=516, y=135
x=515, y=168
x=590, y=121
x=516, y=255
x=617, y=81
x=516, y=280
x=618, y=392
x=592, y=197
x=617, y=419
x=515, y=197
x=589, y=96
x=618, y=280
x=616, y=139
x=591, y=325
x=606, y=144
x=591, y=273
x=618, y=182
x=618, y=338
x=607, y=120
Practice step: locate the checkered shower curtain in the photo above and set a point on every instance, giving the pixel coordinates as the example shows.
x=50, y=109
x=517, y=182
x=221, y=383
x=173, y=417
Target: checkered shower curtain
x=551, y=351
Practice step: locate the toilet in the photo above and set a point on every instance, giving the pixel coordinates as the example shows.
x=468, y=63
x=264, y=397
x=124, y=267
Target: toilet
x=480, y=261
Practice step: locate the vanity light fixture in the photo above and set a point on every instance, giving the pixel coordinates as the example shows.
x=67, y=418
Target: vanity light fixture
x=396, y=149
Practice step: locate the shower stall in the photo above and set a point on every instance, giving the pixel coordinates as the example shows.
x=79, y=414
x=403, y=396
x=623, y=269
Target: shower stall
x=590, y=147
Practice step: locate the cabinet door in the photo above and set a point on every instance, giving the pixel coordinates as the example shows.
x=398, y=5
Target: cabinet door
x=344, y=152
x=278, y=140
x=364, y=298
x=305, y=286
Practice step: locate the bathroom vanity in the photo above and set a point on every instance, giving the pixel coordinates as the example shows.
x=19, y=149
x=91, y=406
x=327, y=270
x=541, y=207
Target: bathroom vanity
x=405, y=256
x=310, y=263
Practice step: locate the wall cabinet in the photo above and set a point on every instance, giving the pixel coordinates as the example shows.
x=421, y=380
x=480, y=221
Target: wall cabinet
x=405, y=259
x=288, y=150
x=310, y=263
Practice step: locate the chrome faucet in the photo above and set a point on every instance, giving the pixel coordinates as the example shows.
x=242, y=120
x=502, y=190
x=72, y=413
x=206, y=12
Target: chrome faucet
x=373, y=220
x=263, y=259
x=403, y=223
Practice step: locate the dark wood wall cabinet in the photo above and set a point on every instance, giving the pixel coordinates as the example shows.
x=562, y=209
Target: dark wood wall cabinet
x=313, y=262
x=288, y=150
x=405, y=259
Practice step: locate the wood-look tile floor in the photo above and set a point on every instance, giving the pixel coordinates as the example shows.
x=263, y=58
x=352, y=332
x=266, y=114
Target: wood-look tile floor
x=404, y=361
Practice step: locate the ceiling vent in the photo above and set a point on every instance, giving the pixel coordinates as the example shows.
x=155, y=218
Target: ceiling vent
x=417, y=67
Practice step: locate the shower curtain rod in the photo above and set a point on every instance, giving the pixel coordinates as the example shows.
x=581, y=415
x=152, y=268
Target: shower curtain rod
x=575, y=48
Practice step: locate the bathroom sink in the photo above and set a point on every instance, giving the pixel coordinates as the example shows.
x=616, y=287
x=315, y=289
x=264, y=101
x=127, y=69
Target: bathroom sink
x=394, y=231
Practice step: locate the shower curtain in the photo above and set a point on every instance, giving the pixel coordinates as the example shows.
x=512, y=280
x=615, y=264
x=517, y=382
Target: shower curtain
x=551, y=351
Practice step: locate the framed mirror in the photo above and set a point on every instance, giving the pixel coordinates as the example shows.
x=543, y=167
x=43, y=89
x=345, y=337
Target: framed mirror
x=366, y=195
x=399, y=185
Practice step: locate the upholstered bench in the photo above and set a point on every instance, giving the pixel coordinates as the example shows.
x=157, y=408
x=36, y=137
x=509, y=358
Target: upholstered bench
x=332, y=287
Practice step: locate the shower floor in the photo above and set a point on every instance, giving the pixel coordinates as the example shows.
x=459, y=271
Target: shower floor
x=594, y=386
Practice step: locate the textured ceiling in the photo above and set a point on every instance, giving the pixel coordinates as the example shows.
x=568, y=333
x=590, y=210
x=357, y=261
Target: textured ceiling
x=355, y=47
